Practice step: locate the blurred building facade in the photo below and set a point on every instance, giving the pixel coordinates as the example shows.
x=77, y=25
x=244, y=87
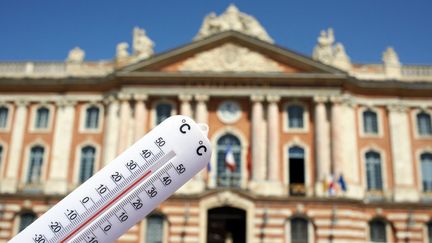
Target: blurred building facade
x=325, y=150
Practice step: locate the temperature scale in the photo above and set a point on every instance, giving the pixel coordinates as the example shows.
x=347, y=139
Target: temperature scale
x=128, y=188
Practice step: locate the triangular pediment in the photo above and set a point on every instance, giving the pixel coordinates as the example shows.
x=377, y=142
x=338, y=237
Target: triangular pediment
x=230, y=52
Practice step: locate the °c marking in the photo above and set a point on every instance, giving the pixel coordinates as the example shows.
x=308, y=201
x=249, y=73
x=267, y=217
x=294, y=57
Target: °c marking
x=184, y=126
x=200, y=148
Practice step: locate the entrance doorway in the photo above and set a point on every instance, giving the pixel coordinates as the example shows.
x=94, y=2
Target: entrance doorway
x=226, y=225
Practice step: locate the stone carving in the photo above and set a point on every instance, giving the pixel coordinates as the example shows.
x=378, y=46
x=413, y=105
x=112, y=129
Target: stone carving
x=122, y=51
x=331, y=53
x=76, y=55
x=392, y=65
x=230, y=58
x=232, y=19
x=142, y=45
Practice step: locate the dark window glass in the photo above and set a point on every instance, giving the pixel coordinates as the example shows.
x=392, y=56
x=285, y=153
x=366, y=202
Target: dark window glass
x=424, y=124
x=373, y=171
x=42, y=116
x=370, y=122
x=377, y=230
x=299, y=230
x=295, y=116
x=3, y=117
x=154, y=229
x=87, y=163
x=429, y=229
x=25, y=220
x=163, y=111
x=426, y=170
x=35, y=165
x=225, y=176
x=92, y=118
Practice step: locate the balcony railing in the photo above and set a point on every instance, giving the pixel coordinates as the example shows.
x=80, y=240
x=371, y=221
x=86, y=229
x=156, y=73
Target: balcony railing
x=416, y=71
x=228, y=179
x=297, y=189
x=32, y=67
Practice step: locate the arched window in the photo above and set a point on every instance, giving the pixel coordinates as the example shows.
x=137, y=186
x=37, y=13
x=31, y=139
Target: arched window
x=299, y=230
x=35, y=164
x=92, y=117
x=3, y=116
x=25, y=220
x=295, y=116
x=228, y=161
x=42, y=116
x=87, y=163
x=370, y=122
x=163, y=111
x=296, y=170
x=424, y=124
x=377, y=231
x=154, y=231
x=373, y=171
x=426, y=170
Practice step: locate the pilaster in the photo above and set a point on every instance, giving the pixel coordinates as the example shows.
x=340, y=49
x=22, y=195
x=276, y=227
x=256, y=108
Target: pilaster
x=112, y=129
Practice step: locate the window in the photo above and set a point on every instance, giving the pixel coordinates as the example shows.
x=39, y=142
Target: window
x=25, y=220
x=3, y=116
x=373, y=171
x=1, y=155
x=426, y=170
x=295, y=116
x=87, y=163
x=228, y=161
x=42, y=116
x=424, y=124
x=35, y=164
x=299, y=230
x=377, y=231
x=296, y=170
x=429, y=230
x=370, y=122
x=154, y=229
x=163, y=111
x=92, y=117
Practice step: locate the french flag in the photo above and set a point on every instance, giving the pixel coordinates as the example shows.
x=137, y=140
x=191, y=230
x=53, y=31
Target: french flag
x=230, y=160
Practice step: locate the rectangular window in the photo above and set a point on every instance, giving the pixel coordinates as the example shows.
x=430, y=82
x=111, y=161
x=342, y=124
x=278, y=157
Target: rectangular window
x=370, y=122
x=154, y=229
x=3, y=117
x=295, y=116
x=92, y=118
x=42, y=115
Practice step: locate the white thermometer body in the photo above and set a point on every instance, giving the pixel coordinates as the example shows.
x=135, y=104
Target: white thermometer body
x=128, y=188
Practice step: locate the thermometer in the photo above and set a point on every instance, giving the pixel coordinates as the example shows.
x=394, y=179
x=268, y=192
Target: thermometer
x=128, y=188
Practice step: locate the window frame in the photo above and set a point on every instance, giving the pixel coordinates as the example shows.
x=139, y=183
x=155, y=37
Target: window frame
x=371, y=193
x=3, y=156
x=285, y=115
x=154, y=111
x=83, y=117
x=10, y=114
x=77, y=160
x=361, y=127
x=17, y=220
x=81, y=160
x=387, y=229
x=240, y=163
x=419, y=152
x=32, y=122
x=307, y=165
x=414, y=114
x=164, y=225
x=310, y=224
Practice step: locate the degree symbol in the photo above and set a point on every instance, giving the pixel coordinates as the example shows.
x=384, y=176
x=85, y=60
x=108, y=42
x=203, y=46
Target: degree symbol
x=202, y=147
x=184, y=127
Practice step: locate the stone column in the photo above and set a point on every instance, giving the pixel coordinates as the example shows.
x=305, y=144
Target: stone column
x=273, y=138
x=140, y=116
x=10, y=182
x=258, y=160
x=185, y=105
x=337, y=133
x=61, y=148
x=112, y=129
x=401, y=150
x=201, y=114
x=322, y=143
x=125, y=117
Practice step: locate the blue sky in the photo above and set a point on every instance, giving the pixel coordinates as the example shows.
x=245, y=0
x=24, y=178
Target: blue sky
x=48, y=29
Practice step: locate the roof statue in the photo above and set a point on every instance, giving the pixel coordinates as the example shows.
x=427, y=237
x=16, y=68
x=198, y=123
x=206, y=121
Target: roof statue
x=142, y=45
x=232, y=19
x=331, y=53
x=76, y=55
x=122, y=51
x=392, y=65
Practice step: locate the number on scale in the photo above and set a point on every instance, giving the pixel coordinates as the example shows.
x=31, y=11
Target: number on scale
x=123, y=217
x=102, y=189
x=55, y=227
x=160, y=142
x=180, y=169
x=131, y=165
x=166, y=180
x=39, y=238
x=91, y=239
x=146, y=153
x=152, y=192
x=116, y=177
x=72, y=214
x=107, y=227
x=137, y=204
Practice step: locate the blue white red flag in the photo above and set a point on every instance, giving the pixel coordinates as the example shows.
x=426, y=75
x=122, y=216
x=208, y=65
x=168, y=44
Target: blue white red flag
x=230, y=160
